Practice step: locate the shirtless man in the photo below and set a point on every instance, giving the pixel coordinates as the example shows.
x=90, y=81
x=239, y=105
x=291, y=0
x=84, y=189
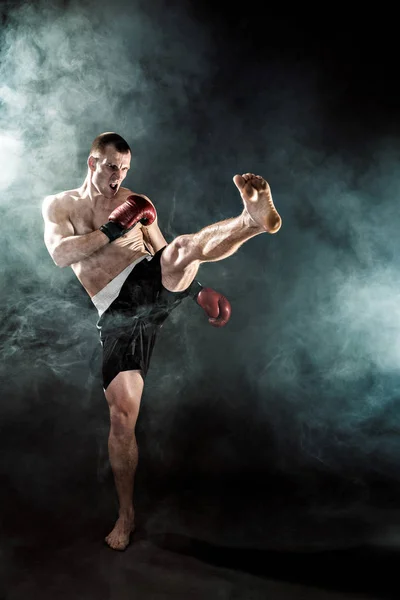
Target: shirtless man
x=111, y=239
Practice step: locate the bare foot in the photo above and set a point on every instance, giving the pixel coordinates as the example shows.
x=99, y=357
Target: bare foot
x=257, y=200
x=118, y=539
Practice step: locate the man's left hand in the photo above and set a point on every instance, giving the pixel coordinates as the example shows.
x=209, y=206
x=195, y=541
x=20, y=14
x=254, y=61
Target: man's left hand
x=215, y=305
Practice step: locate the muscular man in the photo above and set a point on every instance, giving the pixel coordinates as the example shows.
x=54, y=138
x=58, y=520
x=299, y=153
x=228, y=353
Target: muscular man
x=111, y=239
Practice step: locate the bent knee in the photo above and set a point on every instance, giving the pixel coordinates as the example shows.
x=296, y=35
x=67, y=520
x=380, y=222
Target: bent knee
x=179, y=264
x=180, y=253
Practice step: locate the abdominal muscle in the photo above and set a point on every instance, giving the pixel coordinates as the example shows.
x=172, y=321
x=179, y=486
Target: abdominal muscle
x=96, y=271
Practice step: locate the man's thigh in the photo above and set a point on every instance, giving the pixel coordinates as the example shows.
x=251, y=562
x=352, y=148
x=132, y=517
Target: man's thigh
x=179, y=264
x=125, y=391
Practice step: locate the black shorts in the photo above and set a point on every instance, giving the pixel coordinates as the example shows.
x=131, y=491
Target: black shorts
x=129, y=326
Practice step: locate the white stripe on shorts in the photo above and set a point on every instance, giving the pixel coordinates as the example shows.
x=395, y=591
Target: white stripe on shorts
x=105, y=297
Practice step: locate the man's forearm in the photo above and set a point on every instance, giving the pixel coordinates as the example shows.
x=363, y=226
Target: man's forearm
x=78, y=247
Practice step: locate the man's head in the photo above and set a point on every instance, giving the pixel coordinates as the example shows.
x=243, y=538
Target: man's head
x=109, y=161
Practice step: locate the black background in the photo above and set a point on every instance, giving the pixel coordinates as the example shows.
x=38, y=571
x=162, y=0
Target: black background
x=249, y=485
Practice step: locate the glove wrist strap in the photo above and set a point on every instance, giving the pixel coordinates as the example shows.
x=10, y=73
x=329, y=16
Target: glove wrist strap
x=195, y=289
x=112, y=230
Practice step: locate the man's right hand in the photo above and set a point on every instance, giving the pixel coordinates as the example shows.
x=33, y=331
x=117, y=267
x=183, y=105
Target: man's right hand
x=127, y=215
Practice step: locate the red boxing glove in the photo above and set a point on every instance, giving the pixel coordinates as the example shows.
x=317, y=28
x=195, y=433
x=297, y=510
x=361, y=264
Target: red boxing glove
x=133, y=210
x=215, y=305
x=127, y=215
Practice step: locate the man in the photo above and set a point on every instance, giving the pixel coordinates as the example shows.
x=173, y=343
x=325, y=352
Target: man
x=111, y=239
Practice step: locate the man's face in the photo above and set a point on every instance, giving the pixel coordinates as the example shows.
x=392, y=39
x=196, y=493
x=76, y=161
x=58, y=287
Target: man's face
x=109, y=171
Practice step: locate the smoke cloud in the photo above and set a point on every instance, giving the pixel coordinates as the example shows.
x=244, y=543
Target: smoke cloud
x=312, y=351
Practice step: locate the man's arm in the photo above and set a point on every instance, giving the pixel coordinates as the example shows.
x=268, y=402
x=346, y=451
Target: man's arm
x=64, y=247
x=152, y=236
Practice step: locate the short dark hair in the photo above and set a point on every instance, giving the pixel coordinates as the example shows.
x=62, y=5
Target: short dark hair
x=104, y=139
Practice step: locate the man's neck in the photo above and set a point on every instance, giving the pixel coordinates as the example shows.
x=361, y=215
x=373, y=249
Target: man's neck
x=89, y=192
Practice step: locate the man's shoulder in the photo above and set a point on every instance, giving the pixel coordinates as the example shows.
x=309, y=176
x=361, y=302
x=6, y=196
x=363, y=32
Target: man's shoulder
x=61, y=201
x=67, y=195
x=125, y=193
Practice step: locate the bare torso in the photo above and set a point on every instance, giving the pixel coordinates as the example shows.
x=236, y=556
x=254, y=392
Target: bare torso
x=86, y=216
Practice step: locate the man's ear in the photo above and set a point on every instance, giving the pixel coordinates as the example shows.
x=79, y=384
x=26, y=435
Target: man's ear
x=92, y=161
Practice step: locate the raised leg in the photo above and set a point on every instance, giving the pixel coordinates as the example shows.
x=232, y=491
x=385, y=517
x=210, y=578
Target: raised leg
x=181, y=259
x=123, y=396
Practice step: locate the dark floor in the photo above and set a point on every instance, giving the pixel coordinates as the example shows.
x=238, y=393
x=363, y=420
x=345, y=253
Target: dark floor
x=86, y=569
x=211, y=534
x=45, y=555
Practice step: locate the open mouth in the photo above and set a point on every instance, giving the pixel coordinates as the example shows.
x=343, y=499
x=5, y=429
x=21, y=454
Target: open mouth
x=113, y=186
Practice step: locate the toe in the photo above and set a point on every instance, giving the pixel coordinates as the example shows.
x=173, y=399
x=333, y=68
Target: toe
x=117, y=541
x=239, y=181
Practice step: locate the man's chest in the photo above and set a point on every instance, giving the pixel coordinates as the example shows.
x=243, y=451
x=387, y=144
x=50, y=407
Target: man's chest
x=86, y=220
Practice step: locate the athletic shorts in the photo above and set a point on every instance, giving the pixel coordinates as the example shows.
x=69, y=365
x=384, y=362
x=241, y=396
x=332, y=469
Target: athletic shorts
x=129, y=326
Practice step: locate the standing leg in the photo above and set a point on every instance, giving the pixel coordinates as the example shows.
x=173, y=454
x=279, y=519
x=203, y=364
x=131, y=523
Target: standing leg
x=181, y=259
x=123, y=396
